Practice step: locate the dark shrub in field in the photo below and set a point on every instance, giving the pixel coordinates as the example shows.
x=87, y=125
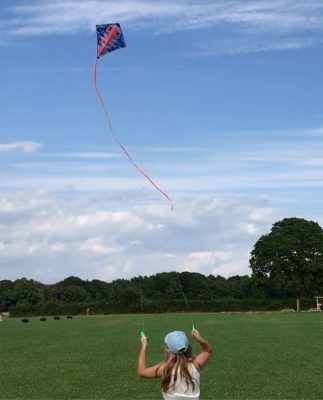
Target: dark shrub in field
x=25, y=320
x=69, y=317
x=57, y=317
x=43, y=319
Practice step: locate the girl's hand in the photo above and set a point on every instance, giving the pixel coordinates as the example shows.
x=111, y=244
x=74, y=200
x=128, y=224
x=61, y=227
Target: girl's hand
x=144, y=342
x=196, y=335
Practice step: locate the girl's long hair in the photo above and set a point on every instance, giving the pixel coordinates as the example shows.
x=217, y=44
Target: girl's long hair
x=177, y=363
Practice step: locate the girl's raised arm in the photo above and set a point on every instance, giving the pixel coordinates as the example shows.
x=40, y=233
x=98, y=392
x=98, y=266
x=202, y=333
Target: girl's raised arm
x=204, y=356
x=144, y=371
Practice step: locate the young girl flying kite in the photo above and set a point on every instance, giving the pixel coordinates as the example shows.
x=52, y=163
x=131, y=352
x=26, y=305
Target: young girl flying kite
x=180, y=372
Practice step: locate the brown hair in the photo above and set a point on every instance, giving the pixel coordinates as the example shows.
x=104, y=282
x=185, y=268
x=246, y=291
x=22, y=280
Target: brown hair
x=177, y=363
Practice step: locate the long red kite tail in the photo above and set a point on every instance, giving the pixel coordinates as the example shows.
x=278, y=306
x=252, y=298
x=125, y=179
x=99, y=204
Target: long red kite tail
x=125, y=151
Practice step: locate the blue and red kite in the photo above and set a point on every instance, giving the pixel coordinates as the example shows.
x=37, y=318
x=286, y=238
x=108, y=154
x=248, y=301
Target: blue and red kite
x=110, y=37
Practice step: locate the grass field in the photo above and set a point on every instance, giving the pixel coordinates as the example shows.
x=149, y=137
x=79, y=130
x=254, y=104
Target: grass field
x=256, y=356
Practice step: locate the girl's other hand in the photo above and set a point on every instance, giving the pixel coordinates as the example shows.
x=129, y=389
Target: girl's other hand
x=196, y=335
x=144, y=342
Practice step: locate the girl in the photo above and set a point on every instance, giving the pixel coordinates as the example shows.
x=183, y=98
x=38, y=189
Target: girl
x=180, y=373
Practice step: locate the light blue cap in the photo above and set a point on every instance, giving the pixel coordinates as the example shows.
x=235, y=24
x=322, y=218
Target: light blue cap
x=176, y=342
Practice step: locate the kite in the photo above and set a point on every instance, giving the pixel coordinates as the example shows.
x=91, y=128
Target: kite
x=110, y=38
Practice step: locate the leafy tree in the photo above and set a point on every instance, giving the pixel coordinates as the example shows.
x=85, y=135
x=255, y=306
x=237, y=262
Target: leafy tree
x=161, y=286
x=289, y=260
x=239, y=286
x=128, y=296
x=195, y=286
x=218, y=286
x=28, y=292
x=72, y=281
x=97, y=290
x=68, y=294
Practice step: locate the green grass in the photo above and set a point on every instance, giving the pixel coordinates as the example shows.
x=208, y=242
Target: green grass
x=256, y=356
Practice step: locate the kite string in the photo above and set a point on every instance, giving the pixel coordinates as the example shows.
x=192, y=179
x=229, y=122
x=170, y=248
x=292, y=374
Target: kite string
x=187, y=308
x=142, y=308
x=125, y=151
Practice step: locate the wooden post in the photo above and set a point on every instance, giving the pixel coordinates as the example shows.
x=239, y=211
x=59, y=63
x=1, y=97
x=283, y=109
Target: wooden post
x=298, y=307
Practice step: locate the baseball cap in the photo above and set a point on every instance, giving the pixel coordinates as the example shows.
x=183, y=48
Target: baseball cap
x=176, y=342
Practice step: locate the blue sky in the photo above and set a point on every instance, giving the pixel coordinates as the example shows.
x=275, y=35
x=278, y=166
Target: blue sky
x=220, y=102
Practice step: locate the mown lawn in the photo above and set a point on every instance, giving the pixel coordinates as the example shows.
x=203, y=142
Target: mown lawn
x=256, y=356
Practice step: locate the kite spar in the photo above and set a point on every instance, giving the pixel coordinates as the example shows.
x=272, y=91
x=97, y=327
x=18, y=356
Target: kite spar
x=110, y=38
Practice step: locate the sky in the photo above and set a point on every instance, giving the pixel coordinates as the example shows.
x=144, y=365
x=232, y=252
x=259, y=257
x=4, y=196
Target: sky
x=219, y=102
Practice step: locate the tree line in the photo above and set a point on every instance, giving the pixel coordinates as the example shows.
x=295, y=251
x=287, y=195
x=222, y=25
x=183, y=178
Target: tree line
x=285, y=264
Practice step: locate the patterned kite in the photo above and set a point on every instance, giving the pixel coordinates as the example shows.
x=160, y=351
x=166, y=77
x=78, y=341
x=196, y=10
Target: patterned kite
x=110, y=38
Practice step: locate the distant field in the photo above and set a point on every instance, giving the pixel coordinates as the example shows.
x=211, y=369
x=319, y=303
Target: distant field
x=257, y=356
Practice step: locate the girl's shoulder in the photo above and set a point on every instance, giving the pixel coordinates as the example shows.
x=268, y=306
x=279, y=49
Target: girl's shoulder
x=160, y=368
x=195, y=364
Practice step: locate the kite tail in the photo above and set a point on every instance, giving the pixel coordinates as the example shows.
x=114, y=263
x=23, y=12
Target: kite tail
x=125, y=151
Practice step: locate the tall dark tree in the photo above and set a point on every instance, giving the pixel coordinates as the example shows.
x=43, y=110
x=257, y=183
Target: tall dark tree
x=5, y=294
x=289, y=260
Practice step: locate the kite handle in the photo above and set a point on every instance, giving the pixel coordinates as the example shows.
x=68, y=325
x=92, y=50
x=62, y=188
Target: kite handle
x=142, y=334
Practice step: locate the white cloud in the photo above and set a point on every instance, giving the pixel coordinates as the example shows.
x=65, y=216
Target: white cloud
x=108, y=272
x=318, y=131
x=314, y=162
x=250, y=228
x=249, y=44
x=25, y=146
x=91, y=155
x=261, y=214
x=232, y=268
x=98, y=245
x=118, y=218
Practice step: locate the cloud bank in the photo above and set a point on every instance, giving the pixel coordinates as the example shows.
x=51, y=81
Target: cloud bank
x=47, y=237
x=67, y=16
x=283, y=24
